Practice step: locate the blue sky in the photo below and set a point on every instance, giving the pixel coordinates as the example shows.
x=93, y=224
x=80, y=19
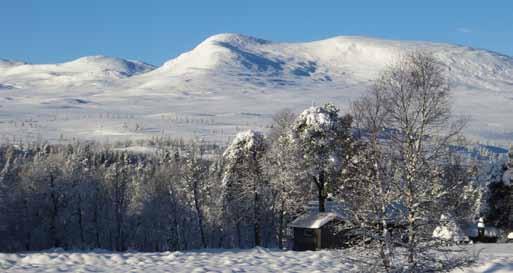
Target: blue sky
x=157, y=30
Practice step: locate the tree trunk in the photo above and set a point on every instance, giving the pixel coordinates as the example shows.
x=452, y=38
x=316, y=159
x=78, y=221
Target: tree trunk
x=385, y=246
x=411, y=226
x=282, y=224
x=411, y=239
x=256, y=212
x=118, y=229
x=80, y=221
x=184, y=244
x=27, y=217
x=320, y=183
x=55, y=209
x=176, y=230
x=239, y=239
x=257, y=221
x=96, y=229
x=200, y=215
x=96, y=218
x=410, y=201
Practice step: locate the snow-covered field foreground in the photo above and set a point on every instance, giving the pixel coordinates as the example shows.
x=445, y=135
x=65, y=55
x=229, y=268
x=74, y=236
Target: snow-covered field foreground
x=493, y=258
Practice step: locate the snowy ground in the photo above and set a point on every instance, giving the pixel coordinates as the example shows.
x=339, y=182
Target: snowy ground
x=493, y=258
x=253, y=260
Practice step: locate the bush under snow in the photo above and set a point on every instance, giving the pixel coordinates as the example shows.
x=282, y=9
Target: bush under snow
x=449, y=230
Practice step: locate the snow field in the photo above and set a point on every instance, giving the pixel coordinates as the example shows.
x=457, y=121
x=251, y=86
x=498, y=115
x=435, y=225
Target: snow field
x=253, y=260
x=496, y=258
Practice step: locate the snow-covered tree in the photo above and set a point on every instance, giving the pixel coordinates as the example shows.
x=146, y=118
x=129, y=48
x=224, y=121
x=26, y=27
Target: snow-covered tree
x=449, y=230
x=507, y=177
x=320, y=136
x=369, y=178
x=194, y=175
x=10, y=209
x=460, y=192
x=288, y=182
x=244, y=182
x=119, y=185
x=499, y=209
x=416, y=96
x=406, y=126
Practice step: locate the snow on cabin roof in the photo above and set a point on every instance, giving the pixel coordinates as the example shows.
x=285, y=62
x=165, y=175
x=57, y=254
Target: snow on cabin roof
x=394, y=212
x=315, y=219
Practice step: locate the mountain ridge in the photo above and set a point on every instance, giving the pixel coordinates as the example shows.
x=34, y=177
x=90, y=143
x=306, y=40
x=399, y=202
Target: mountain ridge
x=239, y=80
x=331, y=59
x=232, y=51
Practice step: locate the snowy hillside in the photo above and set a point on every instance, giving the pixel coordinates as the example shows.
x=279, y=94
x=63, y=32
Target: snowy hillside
x=231, y=82
x=87, y=70
x=340, y=59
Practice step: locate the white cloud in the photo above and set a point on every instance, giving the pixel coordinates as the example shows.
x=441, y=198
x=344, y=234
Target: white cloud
x=464, y=30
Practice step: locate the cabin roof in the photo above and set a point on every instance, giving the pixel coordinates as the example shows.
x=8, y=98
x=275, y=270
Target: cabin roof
x=315, y=220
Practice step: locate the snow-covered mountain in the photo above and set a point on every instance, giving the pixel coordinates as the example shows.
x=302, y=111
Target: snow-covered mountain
x=341, y=59
x=87, y=70
x=230, y=82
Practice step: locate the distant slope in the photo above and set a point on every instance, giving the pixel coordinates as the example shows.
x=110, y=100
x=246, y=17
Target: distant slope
x=80, y=72
x=238, y=81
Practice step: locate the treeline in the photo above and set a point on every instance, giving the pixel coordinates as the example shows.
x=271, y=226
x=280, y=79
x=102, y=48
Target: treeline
x=181, y=196
x=90, y=196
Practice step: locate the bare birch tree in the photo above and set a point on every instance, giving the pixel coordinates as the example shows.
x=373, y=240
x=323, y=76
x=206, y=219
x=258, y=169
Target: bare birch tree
x=409, y=106
x=371, y=167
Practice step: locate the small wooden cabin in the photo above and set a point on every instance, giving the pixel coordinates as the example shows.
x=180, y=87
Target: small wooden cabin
x=316, y=230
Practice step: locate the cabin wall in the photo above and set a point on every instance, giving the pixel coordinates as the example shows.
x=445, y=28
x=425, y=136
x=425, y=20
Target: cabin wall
x=331, y=237
x=307, y=239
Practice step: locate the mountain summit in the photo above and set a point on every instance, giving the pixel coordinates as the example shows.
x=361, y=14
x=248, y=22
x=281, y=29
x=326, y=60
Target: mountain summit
x=346, y=59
